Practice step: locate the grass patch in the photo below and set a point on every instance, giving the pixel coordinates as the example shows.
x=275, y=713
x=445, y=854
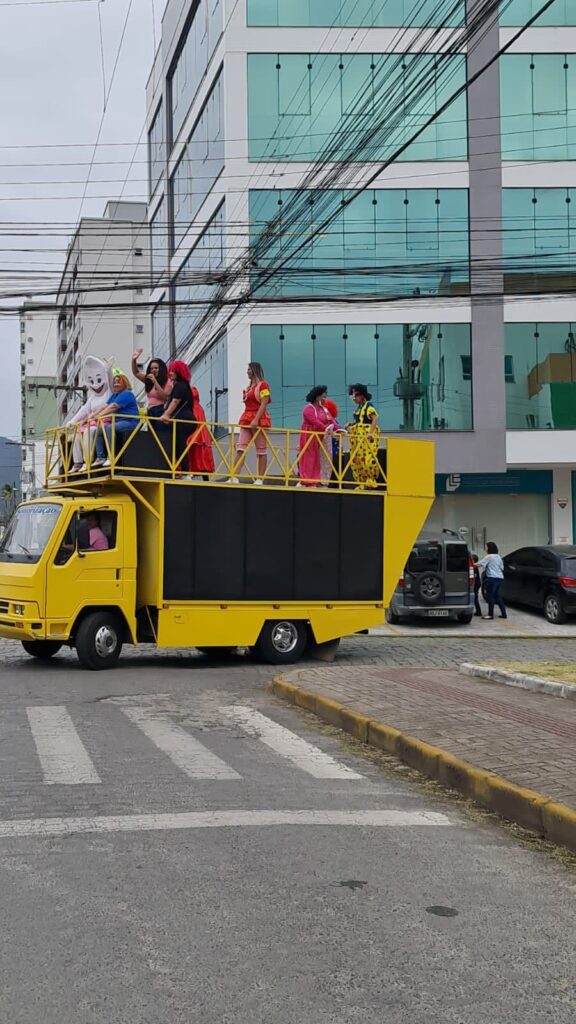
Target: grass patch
x=556, y=671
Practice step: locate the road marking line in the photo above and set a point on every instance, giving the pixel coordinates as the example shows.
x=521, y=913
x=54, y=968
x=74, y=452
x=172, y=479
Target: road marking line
x=286, y=743
x=183, y=749
x=63, y=756
x=45, y=827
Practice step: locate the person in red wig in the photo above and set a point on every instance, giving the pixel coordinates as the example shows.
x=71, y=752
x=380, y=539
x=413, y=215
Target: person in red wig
x=179, y=412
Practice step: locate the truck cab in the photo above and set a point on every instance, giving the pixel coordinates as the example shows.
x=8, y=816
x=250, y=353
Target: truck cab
x=51, y=577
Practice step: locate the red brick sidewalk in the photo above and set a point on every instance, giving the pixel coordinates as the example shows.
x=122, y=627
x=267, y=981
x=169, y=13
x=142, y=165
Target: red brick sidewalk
x=528, y=738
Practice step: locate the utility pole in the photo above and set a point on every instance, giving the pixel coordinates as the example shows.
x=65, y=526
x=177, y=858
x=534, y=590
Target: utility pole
x=408, y=387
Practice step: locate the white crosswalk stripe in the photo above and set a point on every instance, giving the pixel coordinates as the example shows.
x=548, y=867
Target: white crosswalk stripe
x=305, y=755
x=221, y=819
x=191, y=756
x=62, y=755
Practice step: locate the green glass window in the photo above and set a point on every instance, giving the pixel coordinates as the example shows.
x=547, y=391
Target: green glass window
x=156, y=149
x=161, y=330
x=200, y=164
x=538, y=106
x=539, y=239
x=356, y=13
x=386, y=241
x=207, y=255
x=540, y=374
x=194, y=53
x=303, y=106
x=159, y=244
x=210, y=376
x=414, y=371
x=518, y=12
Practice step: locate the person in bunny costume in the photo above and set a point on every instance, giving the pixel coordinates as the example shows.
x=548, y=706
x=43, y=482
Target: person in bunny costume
x=98, y=378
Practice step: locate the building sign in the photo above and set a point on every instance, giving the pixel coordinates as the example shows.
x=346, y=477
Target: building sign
x=519, y=481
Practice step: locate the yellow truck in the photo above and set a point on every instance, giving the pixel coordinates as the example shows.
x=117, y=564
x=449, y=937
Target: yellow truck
x=135, y=552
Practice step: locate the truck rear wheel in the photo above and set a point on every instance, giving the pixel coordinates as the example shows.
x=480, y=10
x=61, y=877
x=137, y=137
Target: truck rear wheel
x=282, y=642
x=99, y=641
x=42, y=649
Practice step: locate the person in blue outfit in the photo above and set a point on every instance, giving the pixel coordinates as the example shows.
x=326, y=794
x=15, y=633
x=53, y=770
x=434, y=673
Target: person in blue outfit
x=494, y=570
x=122, y=405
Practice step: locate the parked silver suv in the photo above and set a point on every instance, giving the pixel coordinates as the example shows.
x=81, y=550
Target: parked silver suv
x=437, y=582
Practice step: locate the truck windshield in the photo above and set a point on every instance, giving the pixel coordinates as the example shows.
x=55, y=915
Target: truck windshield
x=28, y=532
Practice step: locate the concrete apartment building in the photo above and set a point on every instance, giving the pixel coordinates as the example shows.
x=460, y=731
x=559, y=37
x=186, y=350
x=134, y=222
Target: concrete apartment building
x=106, y=276
x=457, y=262
x=37, y=385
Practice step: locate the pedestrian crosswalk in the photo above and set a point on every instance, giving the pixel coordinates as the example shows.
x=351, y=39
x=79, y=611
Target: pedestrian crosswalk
x=66, y=753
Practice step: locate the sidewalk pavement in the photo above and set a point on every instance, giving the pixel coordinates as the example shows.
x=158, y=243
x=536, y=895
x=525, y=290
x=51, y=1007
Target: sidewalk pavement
x=511, y=750
x=521, y=622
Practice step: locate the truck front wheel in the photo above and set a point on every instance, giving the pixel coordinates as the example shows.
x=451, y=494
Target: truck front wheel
x=42, y=649
x=99, y=641
x=282, y=642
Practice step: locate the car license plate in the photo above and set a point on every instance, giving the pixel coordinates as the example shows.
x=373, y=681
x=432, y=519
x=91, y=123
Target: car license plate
x=439, y=613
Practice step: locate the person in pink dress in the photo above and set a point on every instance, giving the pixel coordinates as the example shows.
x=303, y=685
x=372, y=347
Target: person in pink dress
x=316, y=433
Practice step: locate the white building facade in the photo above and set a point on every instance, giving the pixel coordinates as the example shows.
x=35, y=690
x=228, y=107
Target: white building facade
x=38, y=392
x=444, y=280
x=102, y=300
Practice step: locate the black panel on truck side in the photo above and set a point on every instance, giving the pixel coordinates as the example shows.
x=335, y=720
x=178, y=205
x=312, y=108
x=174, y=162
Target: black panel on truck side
x=244, y=544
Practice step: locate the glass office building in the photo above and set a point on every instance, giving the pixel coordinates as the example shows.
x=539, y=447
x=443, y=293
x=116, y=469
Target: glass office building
x=343, y=194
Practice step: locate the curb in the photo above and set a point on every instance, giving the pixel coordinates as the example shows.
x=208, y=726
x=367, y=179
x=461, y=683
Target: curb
x=553, y=821
x=525, y=682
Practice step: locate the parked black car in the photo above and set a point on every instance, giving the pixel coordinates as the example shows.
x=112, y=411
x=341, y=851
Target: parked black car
x=542, y=577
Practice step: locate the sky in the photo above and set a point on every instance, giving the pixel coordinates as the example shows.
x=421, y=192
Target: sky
x=53, y=87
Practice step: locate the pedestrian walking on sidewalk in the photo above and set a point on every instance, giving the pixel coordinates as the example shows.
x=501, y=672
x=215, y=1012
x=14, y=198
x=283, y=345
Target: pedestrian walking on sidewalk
x=494, y=567
x=477, y=586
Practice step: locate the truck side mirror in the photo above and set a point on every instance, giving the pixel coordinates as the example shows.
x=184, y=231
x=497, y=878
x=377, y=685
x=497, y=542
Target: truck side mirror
x=82, y=535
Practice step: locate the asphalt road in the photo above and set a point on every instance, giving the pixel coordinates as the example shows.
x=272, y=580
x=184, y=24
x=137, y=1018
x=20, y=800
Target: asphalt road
x=178, y=846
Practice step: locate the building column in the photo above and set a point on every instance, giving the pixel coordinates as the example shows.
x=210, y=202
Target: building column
x=488, y=453
x=561, y=520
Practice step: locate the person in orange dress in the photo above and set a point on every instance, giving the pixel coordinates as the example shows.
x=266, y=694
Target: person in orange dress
x=253, y=420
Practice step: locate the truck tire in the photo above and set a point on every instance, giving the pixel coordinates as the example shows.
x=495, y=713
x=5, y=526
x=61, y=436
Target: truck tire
x=99, y=641
x=282, y=641
x=217, y=652
x=41, y=649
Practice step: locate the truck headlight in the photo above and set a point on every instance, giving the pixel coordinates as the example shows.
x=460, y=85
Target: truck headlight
x=19, y=609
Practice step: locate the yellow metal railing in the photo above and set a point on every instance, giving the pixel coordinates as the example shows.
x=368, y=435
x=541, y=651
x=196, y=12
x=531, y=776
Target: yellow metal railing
x=151, y=450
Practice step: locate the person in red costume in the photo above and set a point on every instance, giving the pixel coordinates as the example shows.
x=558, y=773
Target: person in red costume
x=253, y=420
x=200, y=457
x=178, y=415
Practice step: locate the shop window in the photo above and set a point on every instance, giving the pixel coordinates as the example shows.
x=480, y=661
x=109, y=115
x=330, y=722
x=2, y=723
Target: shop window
x=541, y=376
x=518, y=12
x=301, y=104
x=360, y=13
x=414, y=371
x=416, y=240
